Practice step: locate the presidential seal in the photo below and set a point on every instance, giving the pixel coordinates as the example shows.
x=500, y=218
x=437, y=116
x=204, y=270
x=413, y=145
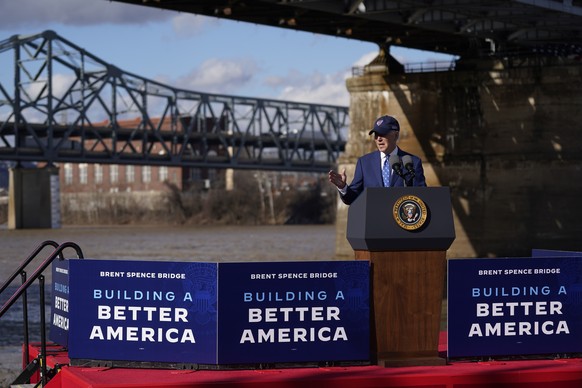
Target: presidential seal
x=410, y=212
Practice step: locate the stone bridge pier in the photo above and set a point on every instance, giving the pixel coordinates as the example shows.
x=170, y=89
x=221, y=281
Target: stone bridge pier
x=503, y=135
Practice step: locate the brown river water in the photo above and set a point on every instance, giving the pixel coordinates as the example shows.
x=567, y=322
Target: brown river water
x=152, y=243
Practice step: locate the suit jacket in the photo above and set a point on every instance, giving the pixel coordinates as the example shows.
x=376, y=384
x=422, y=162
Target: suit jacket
x=368, y=173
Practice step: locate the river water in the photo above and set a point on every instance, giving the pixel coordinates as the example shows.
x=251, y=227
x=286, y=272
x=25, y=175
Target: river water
x=212, y=243
x=156, y=243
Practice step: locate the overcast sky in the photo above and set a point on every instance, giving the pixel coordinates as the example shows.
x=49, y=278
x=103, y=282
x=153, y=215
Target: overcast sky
x=200, y=53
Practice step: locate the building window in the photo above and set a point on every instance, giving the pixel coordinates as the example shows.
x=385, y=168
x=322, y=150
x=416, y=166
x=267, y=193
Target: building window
x=114, y=173
x=83, y=173
x=146, y=174
x=195, y=174
x=163, y=172
x=98, y=173
x=68, y=174
x=130, y=173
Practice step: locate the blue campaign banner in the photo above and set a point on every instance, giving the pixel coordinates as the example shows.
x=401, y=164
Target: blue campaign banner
x=281, y=312
x=514, y=306
x=59, y=328
x=143, y=311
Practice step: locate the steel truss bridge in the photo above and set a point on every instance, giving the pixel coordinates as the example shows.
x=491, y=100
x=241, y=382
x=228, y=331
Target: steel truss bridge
x=60, y=103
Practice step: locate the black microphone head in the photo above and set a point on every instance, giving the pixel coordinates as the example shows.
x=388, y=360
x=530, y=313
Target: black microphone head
x=409, y=166
x=395, y=163
x=407, y=161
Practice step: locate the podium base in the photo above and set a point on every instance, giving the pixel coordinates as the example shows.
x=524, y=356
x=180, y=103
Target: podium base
x=407, y=291
x=411, y=361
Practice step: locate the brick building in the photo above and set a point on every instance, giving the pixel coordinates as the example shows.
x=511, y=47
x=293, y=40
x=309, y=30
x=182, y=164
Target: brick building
x=116, y=178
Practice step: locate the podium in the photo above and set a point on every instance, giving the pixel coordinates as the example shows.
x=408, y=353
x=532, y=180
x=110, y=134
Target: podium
x=404, y=233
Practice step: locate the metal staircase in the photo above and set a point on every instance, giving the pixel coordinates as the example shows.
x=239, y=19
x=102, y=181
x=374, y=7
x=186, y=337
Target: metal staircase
x=39, y=364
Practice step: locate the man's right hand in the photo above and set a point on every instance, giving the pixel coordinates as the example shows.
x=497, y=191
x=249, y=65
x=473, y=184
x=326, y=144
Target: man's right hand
x=339, y=180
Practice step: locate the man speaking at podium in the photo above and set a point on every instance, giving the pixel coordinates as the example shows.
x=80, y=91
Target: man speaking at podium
x=388, y=167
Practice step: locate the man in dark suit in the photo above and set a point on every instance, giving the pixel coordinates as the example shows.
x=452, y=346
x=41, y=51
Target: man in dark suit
x=377, y=169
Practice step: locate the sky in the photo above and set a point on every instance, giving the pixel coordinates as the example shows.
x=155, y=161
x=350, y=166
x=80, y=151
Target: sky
x=204, y=54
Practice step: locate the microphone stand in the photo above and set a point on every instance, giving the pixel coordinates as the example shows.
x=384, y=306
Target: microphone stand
x=410, y=180
x=409, y=167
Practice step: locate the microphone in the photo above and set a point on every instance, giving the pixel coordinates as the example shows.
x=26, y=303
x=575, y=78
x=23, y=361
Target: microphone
x=408, y=165
x=394, y=161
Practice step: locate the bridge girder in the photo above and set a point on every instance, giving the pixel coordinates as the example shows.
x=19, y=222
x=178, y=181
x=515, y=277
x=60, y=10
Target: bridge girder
x=465, y=28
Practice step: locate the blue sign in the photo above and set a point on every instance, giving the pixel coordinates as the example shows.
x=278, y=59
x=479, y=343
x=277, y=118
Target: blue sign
x=553, y=253
x=143, y=311
x=293, y=312
x=514, y=306
x=59, y=329
x=227, y=313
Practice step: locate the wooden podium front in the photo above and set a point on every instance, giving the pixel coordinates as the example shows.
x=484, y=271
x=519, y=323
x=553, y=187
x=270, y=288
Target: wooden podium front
x=408, y=268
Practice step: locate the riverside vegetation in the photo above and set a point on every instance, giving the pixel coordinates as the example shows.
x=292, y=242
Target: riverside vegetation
x=255, y=199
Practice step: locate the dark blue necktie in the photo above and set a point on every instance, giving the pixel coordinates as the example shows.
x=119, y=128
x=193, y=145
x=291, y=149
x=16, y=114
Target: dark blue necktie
x=386, y=172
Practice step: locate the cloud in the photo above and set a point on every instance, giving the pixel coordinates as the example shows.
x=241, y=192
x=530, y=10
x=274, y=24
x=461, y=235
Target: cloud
x=317, y=88
x=33, y=13
x=219, y=76
x=366, y=59
x=234, y=75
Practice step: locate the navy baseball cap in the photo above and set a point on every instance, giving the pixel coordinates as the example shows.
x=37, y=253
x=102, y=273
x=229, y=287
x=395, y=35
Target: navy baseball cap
x=385, y=124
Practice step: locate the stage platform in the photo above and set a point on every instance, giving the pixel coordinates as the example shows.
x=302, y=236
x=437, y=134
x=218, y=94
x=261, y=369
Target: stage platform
x=539, y=373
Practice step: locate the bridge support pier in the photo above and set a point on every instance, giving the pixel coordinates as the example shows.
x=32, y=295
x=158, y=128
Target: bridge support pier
x=34, y=198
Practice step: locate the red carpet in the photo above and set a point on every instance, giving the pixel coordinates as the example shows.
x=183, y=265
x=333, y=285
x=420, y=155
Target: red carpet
x=562, y=373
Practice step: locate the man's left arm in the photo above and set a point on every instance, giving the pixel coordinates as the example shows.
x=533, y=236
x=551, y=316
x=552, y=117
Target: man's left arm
x=419, y=179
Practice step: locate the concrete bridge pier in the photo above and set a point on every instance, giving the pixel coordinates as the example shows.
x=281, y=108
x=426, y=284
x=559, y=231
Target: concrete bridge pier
x=34, y=198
